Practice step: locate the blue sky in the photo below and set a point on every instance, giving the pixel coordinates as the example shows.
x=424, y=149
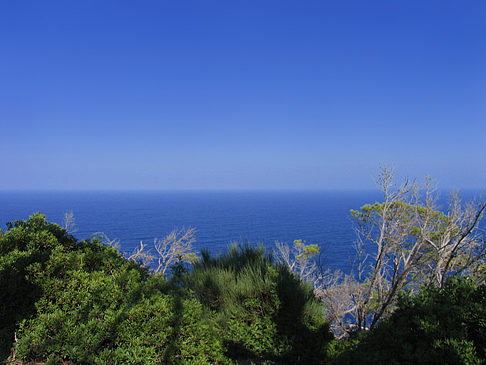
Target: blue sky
x=241, y=94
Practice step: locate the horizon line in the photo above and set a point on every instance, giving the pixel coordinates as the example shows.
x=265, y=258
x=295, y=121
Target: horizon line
x=449, y=189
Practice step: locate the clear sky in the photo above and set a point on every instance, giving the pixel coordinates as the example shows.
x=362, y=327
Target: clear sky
x=241, y=94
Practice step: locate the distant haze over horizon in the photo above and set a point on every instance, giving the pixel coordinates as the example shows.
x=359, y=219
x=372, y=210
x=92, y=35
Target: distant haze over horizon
x=443, y=193
x=274, y=95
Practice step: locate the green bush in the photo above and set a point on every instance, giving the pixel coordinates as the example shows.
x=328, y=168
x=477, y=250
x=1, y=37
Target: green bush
x=439, y=326
x=262, y=310
x=84, y=303
x=24, y=246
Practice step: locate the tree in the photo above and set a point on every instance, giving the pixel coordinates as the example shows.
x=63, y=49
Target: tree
x=339, y=294
x=455, y=242
x=174, y=248
x=300, y=259
x=411, y=243
x=69, y=223
x=333, y=288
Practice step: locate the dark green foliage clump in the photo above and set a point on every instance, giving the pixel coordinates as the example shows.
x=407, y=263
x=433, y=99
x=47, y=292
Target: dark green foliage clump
x=82, y=302
x=261, y=309
x=439, y=326
x=24, y=248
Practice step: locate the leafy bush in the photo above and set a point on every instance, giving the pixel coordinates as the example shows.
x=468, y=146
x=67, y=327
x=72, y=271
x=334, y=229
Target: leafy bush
x=262, y=310
x=25, y=245
x=82, y=302
x=439, y=326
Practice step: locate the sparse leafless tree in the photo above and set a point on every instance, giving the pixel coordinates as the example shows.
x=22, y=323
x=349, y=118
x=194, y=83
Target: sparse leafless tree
x=69, y=223
x=174, y=248
x=115, y=243
x=339, y=293
x=142, y=255
x=301, y=260
x=456, y=243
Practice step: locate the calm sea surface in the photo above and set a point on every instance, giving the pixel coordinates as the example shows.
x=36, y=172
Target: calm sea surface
x=220, y=218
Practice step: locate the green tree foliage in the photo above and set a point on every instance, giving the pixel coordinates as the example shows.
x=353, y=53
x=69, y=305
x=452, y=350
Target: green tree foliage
x=438, y=326
x=262, y=309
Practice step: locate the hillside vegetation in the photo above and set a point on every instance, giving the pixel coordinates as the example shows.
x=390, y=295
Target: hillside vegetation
x=418, y=296
x=70, y=301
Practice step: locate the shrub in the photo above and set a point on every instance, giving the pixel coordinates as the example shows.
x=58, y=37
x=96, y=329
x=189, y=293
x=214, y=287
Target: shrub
x=82, y=302
x=262, y=310
x=439, y=326
x=25, y=245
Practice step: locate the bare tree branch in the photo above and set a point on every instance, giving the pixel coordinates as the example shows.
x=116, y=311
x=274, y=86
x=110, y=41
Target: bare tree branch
x=69, y=223
x=414, y=243
x=173, y=248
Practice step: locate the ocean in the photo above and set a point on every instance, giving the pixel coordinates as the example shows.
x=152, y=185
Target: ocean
x=219, y=217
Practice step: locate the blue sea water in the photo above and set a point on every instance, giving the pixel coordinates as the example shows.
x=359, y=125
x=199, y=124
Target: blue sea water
x=220, y=217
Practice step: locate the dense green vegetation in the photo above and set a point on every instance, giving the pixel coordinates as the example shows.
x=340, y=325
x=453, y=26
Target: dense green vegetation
x=261, y=308
x=81, y=302
x=438, y=326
